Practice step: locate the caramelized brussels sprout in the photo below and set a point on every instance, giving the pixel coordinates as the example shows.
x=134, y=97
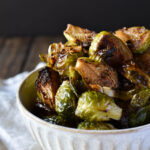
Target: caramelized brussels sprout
x=110, y=48
x=142, y=116
x=135, y=75
x=60, y=57
x=56, y=119
x=95, y=126
x=53, y=53
x=47, y=84
x=65, y=100
x=79, y=35
x=97, y=75
x=137, y=38
x=143, y=61
x=95, y=106
x=65, y=60
x=141, y=98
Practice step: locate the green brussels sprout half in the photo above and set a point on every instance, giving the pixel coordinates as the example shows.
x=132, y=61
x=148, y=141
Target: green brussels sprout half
x=65, y=100
x=141, y=98
x=95, y=106
x=137, y=38
x=142, y=116
x=110, y=48
x=55, y=119
x=98, y=76
x=95, y=126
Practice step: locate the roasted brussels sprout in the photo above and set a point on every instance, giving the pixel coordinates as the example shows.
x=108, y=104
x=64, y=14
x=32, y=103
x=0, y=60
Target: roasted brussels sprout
x=141, y=98
x=55, y=119
x=54, y=51
x=65, y=100
x=65, y=60
x=142, y=116
x=60, y=57
x=95, y=126
x=97, y=75
x=96, y=81
x=143, y=61
x=110, y=48
x=137, y=38
x=135, y=74
x=47, y=84
x=95, y=106
x=79, y=35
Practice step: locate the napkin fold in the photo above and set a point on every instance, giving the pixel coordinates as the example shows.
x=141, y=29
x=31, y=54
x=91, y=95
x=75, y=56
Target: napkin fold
x=13, y=133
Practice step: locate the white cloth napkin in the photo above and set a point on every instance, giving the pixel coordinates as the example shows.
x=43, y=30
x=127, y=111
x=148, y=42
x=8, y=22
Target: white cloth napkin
x=13, y=133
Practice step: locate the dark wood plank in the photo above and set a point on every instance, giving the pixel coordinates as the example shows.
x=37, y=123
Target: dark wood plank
x=2, y=42
x=12, y=55
x=39, y=45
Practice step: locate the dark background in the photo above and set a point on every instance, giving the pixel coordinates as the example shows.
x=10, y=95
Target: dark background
x=49, y=17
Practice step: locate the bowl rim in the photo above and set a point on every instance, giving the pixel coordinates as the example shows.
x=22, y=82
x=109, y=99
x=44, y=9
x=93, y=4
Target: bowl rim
x=27, y=113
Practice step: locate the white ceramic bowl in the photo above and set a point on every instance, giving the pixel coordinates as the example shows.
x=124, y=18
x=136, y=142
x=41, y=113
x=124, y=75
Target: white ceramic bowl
x=54, y=137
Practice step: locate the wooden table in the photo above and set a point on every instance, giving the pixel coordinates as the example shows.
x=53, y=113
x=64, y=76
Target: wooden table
x=18, y=54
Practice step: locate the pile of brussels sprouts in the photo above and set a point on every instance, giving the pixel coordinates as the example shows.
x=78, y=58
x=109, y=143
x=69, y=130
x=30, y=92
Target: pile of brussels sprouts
x=96, y=81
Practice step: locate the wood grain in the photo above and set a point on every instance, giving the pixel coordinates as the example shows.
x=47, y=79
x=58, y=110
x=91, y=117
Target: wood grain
x=11, y=56
x=18, y=54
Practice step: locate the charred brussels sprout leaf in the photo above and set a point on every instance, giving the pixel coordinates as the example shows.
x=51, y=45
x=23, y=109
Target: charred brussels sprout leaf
x=94, y=106
x=142, y=116
x=137, y=38
x=65, y=100
x=141, y=98
x=55, y=119
x=95, y=126
x=53, y=53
